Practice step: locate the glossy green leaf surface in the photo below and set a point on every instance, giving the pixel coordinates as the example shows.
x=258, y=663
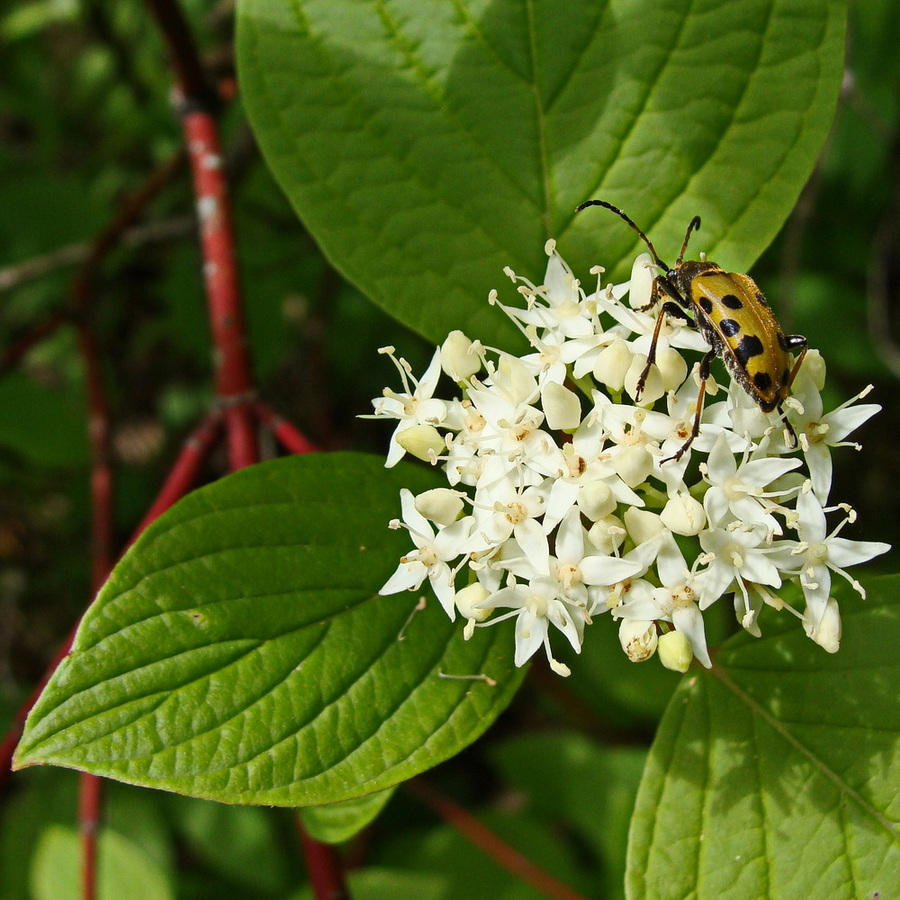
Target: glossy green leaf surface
x=240, y=652
x=778, y=773
x=427, y=145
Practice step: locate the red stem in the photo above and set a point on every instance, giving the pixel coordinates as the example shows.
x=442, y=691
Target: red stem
x=89, y=802
x=197, y=102
x=324, y=865
x=488, y=842
x=234, y=380
x=183, y=474
x=288, y=435
x=102, y=558
x=234, y=388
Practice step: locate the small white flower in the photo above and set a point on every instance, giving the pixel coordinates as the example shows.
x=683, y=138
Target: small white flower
x=421, y=441
x=817, y=431
x=676, y=601
x=740, y=490
x=434, y=551
x=441, y=505
x=817, y=554
x=738, y=555
x=414, y=405
x=581, y=571
x=683, y=515
x=536, y=606
x=467, y=602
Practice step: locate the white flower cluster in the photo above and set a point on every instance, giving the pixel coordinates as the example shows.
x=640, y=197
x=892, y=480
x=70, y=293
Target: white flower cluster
x=565, y=500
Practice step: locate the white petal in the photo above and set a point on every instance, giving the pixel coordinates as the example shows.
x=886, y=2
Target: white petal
x=841, y=423
x=570, y=538
x=689, y=621
x=407, y=577
x=533, y=541
x=843, y=553
x=606, y=570
x=530, y=633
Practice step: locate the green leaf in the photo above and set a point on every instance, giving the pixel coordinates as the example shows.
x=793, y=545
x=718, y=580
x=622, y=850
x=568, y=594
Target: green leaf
x=239, y=651
x=125, y=872
x=426, y=146
x=338, y=822
x=778, y=773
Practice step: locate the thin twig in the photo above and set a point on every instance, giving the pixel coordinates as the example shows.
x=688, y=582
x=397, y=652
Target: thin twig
x=75, y=254
x=490, y=843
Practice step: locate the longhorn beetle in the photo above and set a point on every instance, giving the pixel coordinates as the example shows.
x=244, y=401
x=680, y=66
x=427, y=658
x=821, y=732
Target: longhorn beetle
x=734, y=318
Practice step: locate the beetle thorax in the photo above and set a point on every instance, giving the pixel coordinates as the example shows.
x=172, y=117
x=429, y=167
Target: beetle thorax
x=682, y=276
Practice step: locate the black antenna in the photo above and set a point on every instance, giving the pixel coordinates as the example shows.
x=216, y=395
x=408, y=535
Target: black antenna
x=692, y=227
x=643, y=236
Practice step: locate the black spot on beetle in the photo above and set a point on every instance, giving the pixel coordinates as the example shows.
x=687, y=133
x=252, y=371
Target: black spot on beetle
x=730, y=327
x=705, y=305
x=732, y=302
x=762, y=380
x=748, y=346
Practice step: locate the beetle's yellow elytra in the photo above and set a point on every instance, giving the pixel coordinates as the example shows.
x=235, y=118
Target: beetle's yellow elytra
x=733, y=316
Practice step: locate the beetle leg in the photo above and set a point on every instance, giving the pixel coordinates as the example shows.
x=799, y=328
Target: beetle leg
x=701, y=398
x=790, y=342
x=654, y=297
x=789, y=429
x=668, y=308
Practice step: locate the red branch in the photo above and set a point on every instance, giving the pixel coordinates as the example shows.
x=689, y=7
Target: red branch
x=288, y=435
x=489, y=843
x=89, y=803
x=198, y=102
x=185, y=470
x=324, y=866
x=234, y=380
x=102, y=557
